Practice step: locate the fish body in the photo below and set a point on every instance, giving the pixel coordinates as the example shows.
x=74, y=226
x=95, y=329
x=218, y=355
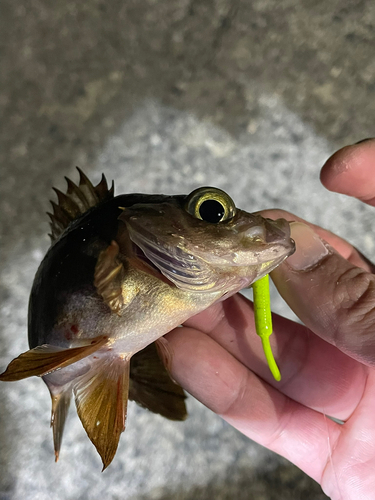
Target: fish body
x=121, y=272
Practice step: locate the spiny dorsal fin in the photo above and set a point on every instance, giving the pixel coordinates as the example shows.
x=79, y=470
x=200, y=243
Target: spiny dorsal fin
x=152, y=387
x=76, y=201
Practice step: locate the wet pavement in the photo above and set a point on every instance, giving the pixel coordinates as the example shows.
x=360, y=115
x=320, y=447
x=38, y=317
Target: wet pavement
x=164, y=97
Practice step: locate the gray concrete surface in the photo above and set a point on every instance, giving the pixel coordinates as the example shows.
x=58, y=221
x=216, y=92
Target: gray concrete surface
x=163, y=97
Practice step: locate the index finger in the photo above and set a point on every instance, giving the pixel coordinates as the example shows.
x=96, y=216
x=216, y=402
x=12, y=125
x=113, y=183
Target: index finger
x=343, y=247
x=333, y=297
x=351, y=171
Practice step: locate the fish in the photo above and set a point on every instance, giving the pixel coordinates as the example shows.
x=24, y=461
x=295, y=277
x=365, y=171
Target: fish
x=121, y=272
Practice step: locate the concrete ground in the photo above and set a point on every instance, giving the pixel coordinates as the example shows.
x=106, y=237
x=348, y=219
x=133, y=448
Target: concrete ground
x=166, y=96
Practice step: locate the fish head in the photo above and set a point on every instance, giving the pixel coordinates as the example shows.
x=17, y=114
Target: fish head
x=203, y=243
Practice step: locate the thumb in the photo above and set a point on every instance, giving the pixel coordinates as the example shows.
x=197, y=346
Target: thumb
x=331, y=296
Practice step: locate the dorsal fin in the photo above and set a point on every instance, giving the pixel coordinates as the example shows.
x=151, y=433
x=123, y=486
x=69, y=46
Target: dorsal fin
x=77, y=200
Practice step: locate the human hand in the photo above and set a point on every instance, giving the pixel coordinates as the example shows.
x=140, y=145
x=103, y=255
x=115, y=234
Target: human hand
x=327, y=364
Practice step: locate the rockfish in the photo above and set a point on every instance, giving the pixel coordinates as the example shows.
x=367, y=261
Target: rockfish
x=120, y=273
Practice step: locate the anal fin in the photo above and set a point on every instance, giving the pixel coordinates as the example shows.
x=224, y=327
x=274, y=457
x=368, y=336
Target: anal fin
x=152, y=387
x=101, y=398
x=47, y=358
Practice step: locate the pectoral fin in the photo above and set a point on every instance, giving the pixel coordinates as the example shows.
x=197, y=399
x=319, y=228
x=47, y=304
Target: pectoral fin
x=152, y=387
x=101, y=398
x=47, y=358
x=109, y=276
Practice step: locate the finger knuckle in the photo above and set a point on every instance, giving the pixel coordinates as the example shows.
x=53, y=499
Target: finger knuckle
x=236, y=399
x=354, y=299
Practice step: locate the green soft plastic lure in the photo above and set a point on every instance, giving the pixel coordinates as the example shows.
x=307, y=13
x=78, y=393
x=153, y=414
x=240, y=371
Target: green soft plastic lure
x=263, y=321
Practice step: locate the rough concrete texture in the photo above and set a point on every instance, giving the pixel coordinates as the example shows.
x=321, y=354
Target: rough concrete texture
x=163, y=97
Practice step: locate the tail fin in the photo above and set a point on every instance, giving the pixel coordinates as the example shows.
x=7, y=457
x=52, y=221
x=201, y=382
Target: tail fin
x=101, y=397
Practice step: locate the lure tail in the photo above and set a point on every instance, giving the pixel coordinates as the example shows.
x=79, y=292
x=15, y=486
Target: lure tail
x=263, y=321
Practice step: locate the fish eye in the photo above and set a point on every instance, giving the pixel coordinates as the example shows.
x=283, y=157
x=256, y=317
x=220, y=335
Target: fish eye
x=210, y=204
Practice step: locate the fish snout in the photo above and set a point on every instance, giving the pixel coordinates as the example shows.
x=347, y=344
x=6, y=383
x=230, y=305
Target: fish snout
x=278, y=233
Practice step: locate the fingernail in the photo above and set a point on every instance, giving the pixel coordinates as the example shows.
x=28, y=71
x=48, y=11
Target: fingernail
x=310, y=249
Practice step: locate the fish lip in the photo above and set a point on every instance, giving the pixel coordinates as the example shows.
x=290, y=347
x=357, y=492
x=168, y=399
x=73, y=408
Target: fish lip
x=293, y=247
x=277, y=230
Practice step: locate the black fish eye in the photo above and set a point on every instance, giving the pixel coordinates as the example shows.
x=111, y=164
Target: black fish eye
x=211, y=205
x=211, y=211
